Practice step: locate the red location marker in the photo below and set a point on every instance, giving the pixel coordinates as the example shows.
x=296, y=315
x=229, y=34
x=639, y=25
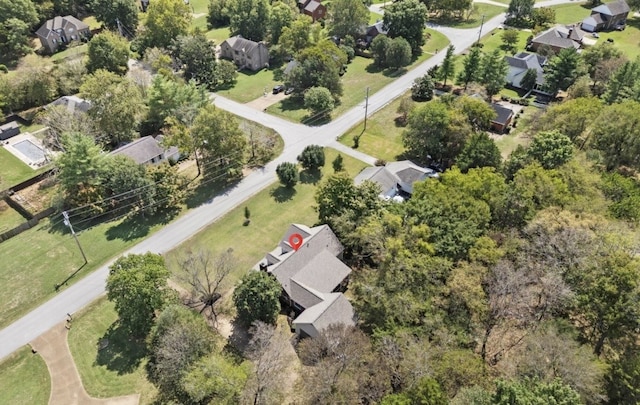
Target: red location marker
x=295, y=240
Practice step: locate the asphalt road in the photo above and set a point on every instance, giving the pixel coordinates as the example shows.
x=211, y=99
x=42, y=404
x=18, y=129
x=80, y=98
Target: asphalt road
x=296, y=137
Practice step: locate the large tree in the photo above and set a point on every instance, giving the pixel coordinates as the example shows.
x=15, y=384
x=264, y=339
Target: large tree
x=318, y=66
x=281, y=16
x=624, y=83
x=562, y=70
x=551, y=149
x=448, y=67
x=257, y=298
x=521, y=10
x=17, y=18
x=436, y=132
x=398, y=53
x=80, y=165
x=479, y=151
x=137, y=284
x=319, y=101
x=617, y=138
x=171, y=98
x=117, y=15
x=470, y=67
x=166, y=20
x=127, y=185
x=407, y=19
x=196, y=55
x=347, y=17
x=108, y=51
x=116, y=105
x=249, y=18
x=220, y=141
x=493, y=72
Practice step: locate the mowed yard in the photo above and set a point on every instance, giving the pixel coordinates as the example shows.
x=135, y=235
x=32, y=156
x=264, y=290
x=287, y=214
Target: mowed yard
x=24, y=379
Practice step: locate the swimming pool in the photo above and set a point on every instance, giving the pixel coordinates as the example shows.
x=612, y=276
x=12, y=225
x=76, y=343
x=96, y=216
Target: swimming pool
x=30, y=150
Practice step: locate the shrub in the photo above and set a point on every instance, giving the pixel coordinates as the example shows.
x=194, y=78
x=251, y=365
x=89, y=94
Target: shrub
x=312, y=157
x=288, y=174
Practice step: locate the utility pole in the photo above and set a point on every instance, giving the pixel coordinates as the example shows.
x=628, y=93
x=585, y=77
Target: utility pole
x=366, y=109
x=68, y=223
x=480, y=32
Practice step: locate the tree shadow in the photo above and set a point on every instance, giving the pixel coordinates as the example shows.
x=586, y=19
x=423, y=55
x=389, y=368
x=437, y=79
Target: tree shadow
x=130, y=229
x=292, y=103
x=119, y=351
x=283, y=194
x=310, y=176
x=388, y=72
x=316, y=120
x=238, y=341
x=207, y=190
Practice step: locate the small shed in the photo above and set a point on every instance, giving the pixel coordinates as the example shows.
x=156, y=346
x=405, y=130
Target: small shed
x=503, y=118
x=9, y=130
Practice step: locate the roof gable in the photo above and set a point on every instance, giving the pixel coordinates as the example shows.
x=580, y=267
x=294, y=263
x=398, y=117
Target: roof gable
x=141, y=150
x=502, y=113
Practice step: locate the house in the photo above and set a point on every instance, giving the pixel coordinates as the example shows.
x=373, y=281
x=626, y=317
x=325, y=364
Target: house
x=518, y=66
x=144, y=4
x=503, y=118
x=148, y=150
x=312, y=277
x=312, y=8
x=60, y=31
x=559, y=38
x=72, y=104
x=396, y=179
x=245, y=53
x=374, y=30
x=607, y=17
x=9, y=130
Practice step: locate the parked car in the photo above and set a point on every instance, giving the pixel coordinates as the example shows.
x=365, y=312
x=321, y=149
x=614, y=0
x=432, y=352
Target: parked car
x=595, y=35
x=277, y=89
x=288, y=91
x=621, y=27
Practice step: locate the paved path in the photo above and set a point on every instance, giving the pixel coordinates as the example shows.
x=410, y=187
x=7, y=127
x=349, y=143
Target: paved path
x=66, y=385
x=295, y=136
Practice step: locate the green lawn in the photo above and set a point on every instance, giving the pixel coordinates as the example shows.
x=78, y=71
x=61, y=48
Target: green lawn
x=272, y=210
x=199, y=6
x=24, y=379
x=627, y=40
x=72, y=52
x=519, y=135
x=475, y=19
x=14, y=170
x=251, y=85
x=383, y=138
x=9, y=218
x=117, y=369
x=571, y=13
x=355, y=81
x=374, y=17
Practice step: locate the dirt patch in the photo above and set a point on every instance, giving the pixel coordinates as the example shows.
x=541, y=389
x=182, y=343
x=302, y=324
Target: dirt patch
x=37, y=197
x=66, y=386
x=267, y=100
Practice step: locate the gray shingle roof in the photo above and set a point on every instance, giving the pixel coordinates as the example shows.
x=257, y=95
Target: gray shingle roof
x=141, y=150
x=334, y=309
x=241, y=44
x=379, y=175
x=560, y=37
x=312, y=6
x=61, y=23
x=613, y=8
x=502, y=113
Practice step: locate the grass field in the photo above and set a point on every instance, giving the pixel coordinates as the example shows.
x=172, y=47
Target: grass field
x=571, y=13
x=627, y=40
x=14, y=171
x=382, y=139
x=24, y=379
x=251, y=85
x=360, y=75
x=9, y=218
x=475, y=19
x=119, y=368
x=272, y=211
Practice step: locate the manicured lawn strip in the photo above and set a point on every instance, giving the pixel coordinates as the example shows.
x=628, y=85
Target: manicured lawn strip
x=571, y=13
x=271, y=213
x=374, y=17
x=475, y=19
x=199, y=6
x=382, y=139
x=355, y=82
x=119, y=368
x=9, y=218
x=14, y=170
x=75, y=51
x=24, y=379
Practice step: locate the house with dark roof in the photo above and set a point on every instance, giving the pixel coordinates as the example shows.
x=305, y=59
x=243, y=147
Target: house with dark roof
x=503, y=118
x=313, y=8
x=148, y=151
x=312, y=278
x=607, y=17
x=559, y=38
x=395, y=179
x=60, y=31
x=520, y=63
x=245, y=53
x=9, y=130
x=374, y=30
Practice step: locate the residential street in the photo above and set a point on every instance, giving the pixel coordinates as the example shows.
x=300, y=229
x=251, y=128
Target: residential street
x=296, y=137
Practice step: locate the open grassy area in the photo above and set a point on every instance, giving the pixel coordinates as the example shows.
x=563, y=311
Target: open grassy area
x=519, y=135
x=117, y=369
x=9, y=218
x=251, y=85
x=360, y=75
x=383, y=138
x=14, y=170
x=218, y=34
x=475, y=19
x=571, y=13
x=627, y=40
x=74, y=51
x=24, y=379
x=272, y=210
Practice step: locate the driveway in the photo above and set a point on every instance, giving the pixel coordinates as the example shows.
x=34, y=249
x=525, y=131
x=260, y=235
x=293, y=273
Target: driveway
x=267, y=100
